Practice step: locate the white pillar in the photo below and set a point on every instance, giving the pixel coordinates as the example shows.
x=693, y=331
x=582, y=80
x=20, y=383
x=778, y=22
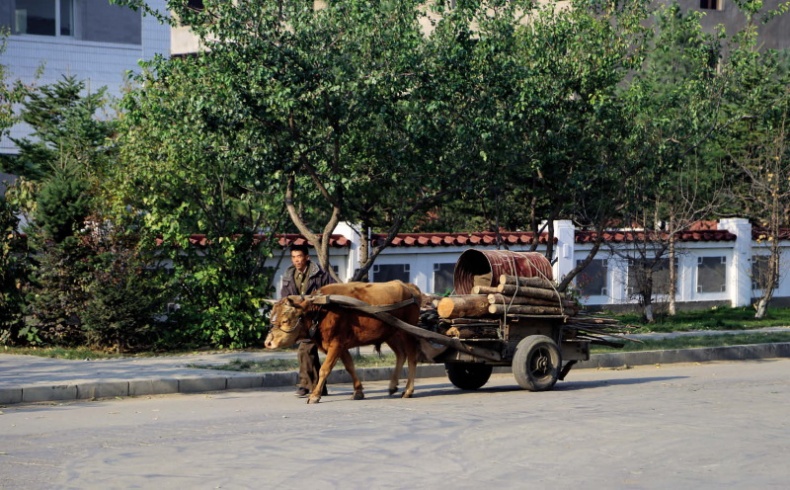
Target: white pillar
x=566, y=240
x=352, y=263
x=739, y=273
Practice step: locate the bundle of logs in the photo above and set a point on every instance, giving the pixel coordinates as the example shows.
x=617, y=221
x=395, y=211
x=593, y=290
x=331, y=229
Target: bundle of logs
x=477, y=315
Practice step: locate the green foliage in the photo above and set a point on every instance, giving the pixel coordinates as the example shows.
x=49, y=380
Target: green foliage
x=66, y=131
x=64, y=201
x=58, y=291
x=192, y=163
x=124, y=306
x=13, y=274
x=219, y=296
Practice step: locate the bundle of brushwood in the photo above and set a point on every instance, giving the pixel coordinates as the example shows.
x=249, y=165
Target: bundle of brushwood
x=598, y=330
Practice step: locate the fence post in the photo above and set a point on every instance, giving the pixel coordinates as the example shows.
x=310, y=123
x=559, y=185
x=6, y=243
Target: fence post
x=566, y=241
x=739, y=273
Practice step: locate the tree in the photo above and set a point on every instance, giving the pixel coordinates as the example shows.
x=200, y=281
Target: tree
x=673, y=102
x=757, y=142
x=192, y=184
x=67, y=131
x=531, y=104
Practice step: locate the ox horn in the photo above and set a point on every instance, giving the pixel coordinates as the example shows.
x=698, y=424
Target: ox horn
x=269, y=301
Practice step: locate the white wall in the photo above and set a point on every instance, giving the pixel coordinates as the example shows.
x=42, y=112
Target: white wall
x=737, y=255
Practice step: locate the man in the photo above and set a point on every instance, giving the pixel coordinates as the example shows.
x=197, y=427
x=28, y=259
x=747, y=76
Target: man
x=305, y=277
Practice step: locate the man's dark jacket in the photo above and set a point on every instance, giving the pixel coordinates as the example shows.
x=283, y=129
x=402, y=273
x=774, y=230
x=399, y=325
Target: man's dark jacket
x=316, y=277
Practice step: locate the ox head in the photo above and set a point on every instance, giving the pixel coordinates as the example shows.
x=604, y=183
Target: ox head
x=288, y=325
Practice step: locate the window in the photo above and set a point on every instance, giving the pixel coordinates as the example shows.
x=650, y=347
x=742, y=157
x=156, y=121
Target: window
x=710, y=4
x=44, y=17
x=443, y=278
x=81, y=20
x=592, y=280
x=390, y=272
x=759, y=272
x=711, y=274
x=637, y=276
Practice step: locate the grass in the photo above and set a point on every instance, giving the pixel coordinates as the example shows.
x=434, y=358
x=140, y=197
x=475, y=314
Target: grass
x=716, y=318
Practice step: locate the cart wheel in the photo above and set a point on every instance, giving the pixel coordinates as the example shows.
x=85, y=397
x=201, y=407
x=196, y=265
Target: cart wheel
x=468, y=375
x=537, y=363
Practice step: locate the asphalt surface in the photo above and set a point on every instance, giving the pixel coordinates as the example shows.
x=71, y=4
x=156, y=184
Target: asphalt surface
x=32, y=379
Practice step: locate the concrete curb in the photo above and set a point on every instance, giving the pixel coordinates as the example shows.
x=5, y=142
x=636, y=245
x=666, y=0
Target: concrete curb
x=241, y=381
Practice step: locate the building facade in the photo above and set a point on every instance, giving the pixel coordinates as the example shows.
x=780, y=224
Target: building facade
x=93, y=40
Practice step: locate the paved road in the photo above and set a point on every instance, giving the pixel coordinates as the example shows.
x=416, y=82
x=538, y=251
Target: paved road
x=698, y=425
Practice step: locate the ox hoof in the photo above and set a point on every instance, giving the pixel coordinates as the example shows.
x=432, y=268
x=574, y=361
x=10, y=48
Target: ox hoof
x=406, y=395
x=358, y=395
x=393, y=391
x=313, y=400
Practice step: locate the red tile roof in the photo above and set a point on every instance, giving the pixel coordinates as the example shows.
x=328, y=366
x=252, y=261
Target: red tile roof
x=461, y=239
x=704, y=231
x=633, y=236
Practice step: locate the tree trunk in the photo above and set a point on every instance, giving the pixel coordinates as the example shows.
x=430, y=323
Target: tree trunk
x=672, y=275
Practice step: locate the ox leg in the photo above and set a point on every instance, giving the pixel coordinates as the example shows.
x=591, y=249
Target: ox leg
x=400, y=358
x=411, y=354
x=348, y=362
x=323, y=374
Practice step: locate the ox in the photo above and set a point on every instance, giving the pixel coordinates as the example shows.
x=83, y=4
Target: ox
x=336, y=328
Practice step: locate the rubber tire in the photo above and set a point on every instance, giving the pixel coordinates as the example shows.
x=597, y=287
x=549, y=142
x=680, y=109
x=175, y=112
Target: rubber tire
x=468, y=375
x=537, y=363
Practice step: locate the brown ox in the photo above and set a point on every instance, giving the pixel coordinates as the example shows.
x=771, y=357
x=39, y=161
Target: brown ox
x=340, y=328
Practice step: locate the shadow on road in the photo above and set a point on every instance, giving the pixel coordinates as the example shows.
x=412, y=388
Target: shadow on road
x=447, y=389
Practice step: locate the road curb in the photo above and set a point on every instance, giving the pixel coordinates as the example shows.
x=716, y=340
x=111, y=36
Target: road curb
x=213, y=382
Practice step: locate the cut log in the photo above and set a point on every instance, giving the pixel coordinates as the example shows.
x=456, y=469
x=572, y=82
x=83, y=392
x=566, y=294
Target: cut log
x=501, y=299
x=463, y=305
x=511, y=290
x=534, y=282
x=485, y=289
x=529, y=310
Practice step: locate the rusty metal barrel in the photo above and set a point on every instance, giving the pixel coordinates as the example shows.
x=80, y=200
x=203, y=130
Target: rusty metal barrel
x=483, y=267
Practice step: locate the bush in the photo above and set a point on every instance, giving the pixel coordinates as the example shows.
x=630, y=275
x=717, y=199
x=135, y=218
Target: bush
x=13, y=275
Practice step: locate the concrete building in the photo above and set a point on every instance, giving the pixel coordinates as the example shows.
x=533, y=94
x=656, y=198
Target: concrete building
x=94, y=40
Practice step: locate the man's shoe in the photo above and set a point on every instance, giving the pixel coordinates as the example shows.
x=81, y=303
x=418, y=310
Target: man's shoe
x=302, y=392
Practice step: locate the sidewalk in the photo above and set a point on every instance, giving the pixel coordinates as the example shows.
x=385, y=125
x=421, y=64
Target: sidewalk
x=29, y=379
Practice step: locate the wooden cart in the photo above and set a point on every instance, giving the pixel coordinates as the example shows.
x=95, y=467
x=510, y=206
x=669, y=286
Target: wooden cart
x=515, y=318
x=539, y=349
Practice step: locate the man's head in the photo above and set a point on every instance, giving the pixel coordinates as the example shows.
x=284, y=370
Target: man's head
x=299, y=256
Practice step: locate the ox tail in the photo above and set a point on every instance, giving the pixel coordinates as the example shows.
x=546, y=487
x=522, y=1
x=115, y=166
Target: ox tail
x=378, y=348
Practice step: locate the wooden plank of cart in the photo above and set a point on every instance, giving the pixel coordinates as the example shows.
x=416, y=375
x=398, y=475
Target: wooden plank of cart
x=505, y=311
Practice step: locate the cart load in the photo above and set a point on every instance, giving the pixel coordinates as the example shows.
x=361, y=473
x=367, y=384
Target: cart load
x=507, y=302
